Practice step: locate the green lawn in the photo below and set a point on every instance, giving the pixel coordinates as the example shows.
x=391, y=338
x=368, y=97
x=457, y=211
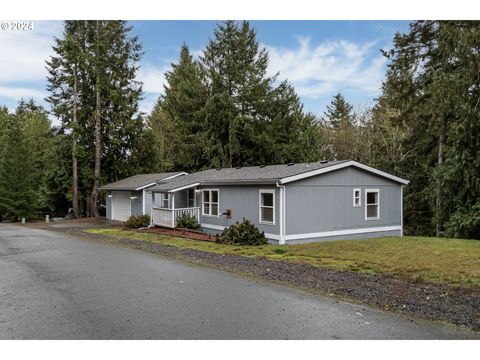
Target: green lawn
x=451, y=261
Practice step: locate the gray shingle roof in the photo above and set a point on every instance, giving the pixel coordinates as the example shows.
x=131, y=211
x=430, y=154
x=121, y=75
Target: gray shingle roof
x=138, y=181
x=252, y=174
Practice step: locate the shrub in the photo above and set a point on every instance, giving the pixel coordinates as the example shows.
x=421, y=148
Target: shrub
x=137, y=221
x=187, y=221
x=244, y=233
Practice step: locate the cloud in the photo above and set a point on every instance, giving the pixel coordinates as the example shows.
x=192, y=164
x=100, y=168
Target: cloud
x=153, y=78
x=16, y=93
x=318, y=71
x=24, y=52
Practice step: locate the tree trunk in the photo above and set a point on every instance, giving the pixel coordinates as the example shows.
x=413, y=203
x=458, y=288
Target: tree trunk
x=98, y=133
x=441, y=140
x=74, y=149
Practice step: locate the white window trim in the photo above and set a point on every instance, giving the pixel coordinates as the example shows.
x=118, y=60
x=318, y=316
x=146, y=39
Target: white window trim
x=265, y=191
x=163, y=198
x=378, y=203
x=359, y=198
x=210, y=202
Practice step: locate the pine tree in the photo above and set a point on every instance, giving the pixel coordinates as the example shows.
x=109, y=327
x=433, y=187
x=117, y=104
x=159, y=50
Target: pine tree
x=339, y=113
x=17, y=173
x=94, y=93
x=179, y=114
x=37, y=132
x=432, y=87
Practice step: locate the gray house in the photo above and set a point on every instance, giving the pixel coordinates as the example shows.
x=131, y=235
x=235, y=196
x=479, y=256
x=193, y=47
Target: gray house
x=291, y=203
x=128, y=196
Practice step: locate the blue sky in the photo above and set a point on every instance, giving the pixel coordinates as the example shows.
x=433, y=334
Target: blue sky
x=320, y=58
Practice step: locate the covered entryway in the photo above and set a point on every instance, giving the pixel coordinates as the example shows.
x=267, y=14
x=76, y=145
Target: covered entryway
x=121, y=205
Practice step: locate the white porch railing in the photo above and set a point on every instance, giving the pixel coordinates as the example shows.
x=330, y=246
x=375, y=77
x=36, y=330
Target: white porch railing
x=168, y=217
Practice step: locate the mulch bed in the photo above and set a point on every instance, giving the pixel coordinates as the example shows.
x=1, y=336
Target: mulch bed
x=188, y=234
x=456, y=304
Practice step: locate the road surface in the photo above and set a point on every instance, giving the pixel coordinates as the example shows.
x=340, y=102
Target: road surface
x=58, y=286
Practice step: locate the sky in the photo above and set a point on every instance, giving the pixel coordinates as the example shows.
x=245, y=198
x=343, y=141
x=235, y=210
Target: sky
x=320, y=58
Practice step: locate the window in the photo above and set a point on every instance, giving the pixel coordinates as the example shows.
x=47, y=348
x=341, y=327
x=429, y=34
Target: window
x=267, y=207
x=357, y=201
x=372, y=204
x=191, y=197
x=165, y=200
x=210, y=202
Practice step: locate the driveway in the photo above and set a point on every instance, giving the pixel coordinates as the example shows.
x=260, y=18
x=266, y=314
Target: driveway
x=58, y=286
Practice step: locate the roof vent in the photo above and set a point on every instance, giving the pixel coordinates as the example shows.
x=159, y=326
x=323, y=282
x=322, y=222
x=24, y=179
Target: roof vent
x=290, y=164
x=262, y=166
x=323, y=161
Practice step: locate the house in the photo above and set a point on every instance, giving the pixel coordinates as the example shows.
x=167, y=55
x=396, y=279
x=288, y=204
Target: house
x=128, y=196
x=291, y=203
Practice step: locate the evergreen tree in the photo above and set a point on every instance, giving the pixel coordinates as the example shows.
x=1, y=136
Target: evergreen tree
x=339, y=113
x=17, y=173
x=432, y=89
x=341, y=130
x=94, y=93
x=37, y=132
x=179, y=115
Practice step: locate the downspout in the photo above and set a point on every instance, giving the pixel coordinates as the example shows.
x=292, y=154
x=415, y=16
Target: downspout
x=282, y=213
x=401, y=210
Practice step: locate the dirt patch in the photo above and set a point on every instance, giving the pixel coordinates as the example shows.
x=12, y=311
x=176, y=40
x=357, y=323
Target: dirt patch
x=456, y=304
x=188, y=234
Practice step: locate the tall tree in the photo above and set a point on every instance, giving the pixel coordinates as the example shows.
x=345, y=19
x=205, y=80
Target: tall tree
x=339, y=112
x=340, y=128
x=17, y=173
x=432, y=87
x=63, y=85
x=94, y=93
x=179, y=113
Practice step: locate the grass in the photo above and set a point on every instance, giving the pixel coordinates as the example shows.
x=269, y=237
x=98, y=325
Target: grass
x=452, y=261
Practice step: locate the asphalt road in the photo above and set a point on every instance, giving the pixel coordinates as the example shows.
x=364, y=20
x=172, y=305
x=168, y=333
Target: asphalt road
x=57, y=286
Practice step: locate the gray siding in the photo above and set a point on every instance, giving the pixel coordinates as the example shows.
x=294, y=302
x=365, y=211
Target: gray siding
x=180, y=199
x=108, y=204
x=325, y=202
x=148, y=203
x=244, y=202
x=137, y=204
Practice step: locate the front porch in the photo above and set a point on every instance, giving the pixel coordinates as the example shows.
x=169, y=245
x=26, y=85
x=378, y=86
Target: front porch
x=168, y=217
x=167, y=207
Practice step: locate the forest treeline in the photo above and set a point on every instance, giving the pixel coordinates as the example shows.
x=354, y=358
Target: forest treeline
x=222, y=109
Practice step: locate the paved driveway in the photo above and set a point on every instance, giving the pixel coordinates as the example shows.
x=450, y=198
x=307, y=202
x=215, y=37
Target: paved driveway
x=56, y=286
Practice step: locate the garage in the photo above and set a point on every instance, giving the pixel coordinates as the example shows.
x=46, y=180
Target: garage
x=121, y=205
x=128, y=196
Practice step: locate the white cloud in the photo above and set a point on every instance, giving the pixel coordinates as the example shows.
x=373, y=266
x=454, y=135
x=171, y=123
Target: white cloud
x=16, y=93
x=318, y=71
x=153, y=78
x=24, y=52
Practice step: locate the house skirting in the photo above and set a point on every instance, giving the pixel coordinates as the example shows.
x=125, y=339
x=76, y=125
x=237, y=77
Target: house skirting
x=345, y=234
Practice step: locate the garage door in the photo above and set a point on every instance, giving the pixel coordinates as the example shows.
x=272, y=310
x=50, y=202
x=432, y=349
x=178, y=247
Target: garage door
x=121, y=208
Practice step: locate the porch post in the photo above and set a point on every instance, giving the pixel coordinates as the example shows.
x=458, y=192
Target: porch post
x=173, y=210
x=152, y=210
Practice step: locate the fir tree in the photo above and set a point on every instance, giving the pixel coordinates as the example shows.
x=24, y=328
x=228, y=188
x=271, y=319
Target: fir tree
x=17, y=173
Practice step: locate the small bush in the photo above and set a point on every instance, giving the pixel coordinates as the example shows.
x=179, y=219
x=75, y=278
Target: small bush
x=187, y=221
x=279, y=251
x=137, y=221
x=244, y=233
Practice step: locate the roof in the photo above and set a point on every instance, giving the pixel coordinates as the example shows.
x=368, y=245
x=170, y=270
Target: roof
x=264, y=174
x=138, y=182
